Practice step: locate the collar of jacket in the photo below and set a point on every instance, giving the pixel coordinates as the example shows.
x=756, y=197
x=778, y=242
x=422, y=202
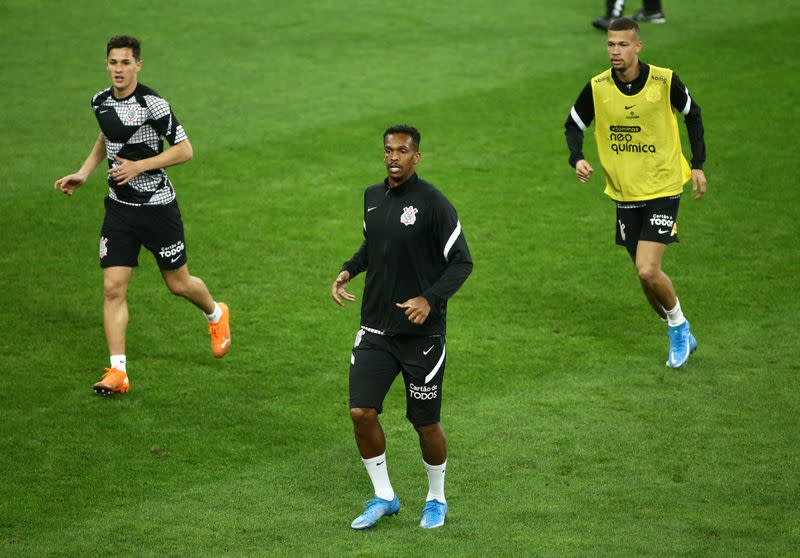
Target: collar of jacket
x=403, y=186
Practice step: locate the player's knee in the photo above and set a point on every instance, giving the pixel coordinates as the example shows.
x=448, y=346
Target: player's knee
x=178, y=288
x=648, y=274
x=428, y=431
x=113, y=290
x=363, y=415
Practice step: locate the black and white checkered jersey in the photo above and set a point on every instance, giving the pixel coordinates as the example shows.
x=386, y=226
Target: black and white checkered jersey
x=134, y=129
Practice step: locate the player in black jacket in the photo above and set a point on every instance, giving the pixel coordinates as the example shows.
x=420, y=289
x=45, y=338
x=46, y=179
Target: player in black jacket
x=416, y=258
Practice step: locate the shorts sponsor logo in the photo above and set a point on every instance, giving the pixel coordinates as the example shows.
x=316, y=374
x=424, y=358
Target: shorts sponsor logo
x=662, y=221
x=409, y=216
x=423, y=392
x=173, y=251
x=103, y=247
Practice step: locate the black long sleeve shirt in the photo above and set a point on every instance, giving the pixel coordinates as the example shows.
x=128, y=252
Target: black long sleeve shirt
x=582, y=114
x=413, y=245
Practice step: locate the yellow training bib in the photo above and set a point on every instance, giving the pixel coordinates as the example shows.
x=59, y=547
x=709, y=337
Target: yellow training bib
x=638, y=140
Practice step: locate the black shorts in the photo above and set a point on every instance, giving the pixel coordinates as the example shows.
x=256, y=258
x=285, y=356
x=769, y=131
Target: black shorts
x=126, y=228
x=654, y=220
x=376, y=361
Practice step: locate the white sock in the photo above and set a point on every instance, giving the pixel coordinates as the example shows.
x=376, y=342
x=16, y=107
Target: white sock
x=379, y=475
x=675, y=316
x=118, y=362
x=435, y=481
x=214, y=316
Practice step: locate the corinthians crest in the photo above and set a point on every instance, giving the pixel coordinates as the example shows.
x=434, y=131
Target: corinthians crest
x=409, y=216
x=103, y=246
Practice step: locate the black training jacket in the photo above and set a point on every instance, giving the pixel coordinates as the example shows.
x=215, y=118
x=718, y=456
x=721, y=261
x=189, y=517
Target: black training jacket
x=413, y=245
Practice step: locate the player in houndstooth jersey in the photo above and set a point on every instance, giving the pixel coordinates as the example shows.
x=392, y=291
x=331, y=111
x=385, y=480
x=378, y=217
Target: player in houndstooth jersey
x=141, y=208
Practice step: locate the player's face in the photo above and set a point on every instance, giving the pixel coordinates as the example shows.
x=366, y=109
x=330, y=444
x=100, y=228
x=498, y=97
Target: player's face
x=623, y=49
x=123, y=69
x=400, y=157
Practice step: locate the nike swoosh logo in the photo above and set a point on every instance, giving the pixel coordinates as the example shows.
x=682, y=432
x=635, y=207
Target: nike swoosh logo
x=371, y=208
x=429, y=350
x=662, y=231
x=225, y=343
x=104, y=111
x=379, y=464
x=629, y=107
x=175, y=259
x=606, y=100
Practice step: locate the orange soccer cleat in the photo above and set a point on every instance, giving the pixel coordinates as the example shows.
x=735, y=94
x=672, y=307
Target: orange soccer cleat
x=113, y=381
x=221, y=333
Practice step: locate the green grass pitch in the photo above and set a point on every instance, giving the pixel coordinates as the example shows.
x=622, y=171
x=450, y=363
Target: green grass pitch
x=568, y=436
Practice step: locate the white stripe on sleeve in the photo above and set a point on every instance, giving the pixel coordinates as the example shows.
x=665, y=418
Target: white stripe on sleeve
x=685, y=110
x=433, y=372
x=577, y=119
x=452, y=239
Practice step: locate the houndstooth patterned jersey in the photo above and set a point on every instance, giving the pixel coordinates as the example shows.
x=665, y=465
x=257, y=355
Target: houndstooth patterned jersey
x=134, y=129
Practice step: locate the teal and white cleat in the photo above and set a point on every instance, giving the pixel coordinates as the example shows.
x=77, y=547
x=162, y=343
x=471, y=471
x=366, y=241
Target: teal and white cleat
x=376, y=508
x=433, y=514
x=680, y=345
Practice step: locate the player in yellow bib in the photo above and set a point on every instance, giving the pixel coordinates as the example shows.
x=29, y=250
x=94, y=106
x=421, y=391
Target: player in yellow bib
x=635, y=106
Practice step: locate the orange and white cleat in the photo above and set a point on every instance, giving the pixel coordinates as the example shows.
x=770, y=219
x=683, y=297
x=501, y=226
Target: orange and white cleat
x=221, y=333
x=113, y=381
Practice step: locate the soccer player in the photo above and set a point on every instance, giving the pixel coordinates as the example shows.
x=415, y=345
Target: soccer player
x=640, y=151
x=141, y=208
x=651, y=12
x=416, y=258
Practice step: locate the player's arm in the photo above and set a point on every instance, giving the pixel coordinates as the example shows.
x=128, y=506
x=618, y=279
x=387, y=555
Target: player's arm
x=68, y=184
x=683, y=102
x=580, y=117
x=350, y=269
x=164, y=122
x=171, y=156
x=455, y=252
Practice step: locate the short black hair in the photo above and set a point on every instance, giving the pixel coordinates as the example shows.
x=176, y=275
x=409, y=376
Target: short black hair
x=404, y=129
x=623, y=24
x=125, y=41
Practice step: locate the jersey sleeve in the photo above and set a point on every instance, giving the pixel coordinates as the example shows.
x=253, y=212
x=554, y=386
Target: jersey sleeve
x=580, y=117
x=358, y=263
x=453, y=244
x=163, y=120
x=683, y=102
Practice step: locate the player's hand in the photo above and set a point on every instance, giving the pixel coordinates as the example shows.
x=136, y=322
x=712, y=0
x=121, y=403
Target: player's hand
x=583, y=170
x=338, y=291
x=126, y=171
x=68, y=184
x=417, y=309
x=699, y=183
